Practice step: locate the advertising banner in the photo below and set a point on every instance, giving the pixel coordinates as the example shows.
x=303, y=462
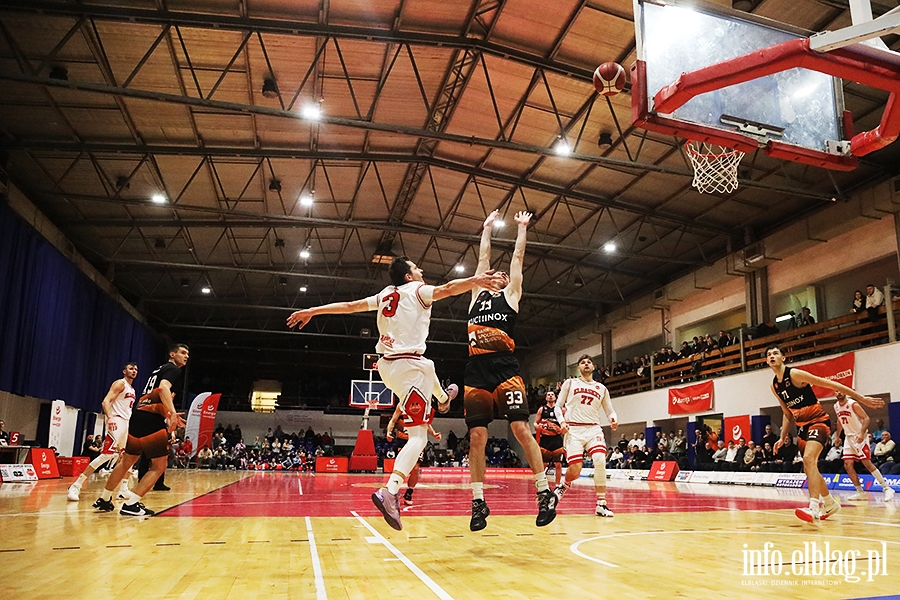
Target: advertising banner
x=691, y=399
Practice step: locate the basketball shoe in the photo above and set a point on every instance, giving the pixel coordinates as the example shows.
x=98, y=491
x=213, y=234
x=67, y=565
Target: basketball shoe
x=859, y=496
x=407, y=497
x=830, y=509
x=812, y=514
x=452, y=391
x=560, y=490
x=480, y=513
x=389, y=505
x=104, y=505
x=603, y=509
x=136, y=510
x=888, y=494
x=547, y=501
x=74, y=493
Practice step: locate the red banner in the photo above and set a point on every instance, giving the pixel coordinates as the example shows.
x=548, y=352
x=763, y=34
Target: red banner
x=44, y=462
x=691, y=399
x=663, y=470
x=201, y=420
x=736, y=428
x=840, y=369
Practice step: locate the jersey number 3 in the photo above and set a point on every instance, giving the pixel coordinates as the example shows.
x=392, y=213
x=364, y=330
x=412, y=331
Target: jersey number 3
x=392, y=299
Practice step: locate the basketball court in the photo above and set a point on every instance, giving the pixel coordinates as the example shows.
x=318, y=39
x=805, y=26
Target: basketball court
x=283, y=535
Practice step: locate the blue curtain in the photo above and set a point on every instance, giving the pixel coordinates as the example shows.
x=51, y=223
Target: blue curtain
x=61, y=337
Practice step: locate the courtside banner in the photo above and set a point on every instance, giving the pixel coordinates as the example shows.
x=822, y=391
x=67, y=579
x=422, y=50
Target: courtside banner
x=691, y=399
x=840, y=369
x=202, y=420
x=736, y=428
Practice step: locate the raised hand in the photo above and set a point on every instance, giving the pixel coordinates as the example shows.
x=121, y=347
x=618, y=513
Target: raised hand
x=299, y=318
x=491, y=218
x=523, y=217
x=492, y=281
x=872, y=402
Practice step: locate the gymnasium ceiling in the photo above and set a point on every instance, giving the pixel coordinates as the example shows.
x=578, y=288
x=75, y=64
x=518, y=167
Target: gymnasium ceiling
x=433, y=112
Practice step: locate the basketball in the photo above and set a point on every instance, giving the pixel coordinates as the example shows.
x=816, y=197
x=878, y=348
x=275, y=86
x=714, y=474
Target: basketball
x=609, y=79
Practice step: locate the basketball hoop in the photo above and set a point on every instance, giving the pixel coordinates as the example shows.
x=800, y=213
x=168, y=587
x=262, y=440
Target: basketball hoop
x=715, y=167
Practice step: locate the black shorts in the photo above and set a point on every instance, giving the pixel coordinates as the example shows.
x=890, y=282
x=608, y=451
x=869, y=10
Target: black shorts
x=147, y=435
x=551, y=442
x=494, y=390
x=815, y=432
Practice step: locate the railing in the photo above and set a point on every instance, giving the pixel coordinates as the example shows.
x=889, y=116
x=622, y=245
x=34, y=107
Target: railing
x=842, y=334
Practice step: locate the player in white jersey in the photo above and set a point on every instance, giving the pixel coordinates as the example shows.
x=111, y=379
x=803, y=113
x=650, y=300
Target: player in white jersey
x=581, y=402
x=853, y=420
x=117, y=407
x=404, y=315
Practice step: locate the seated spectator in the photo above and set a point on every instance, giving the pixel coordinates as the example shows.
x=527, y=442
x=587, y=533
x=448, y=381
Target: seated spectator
x=730, y=461
x=638, y=458
x=720, y=454
x=204, y=457
x=805, y=318
x=741, y=449
x=858, y=304
x=769, y=438
x=833, y=461
x=786, y=456
x=663, y=453
x=93, y=446
x=614, y=460
x=634, y=442
x=750, y=458
x=884, y=450
x=765, y=459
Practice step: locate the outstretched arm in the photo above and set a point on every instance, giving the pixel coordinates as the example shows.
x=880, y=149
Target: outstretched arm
x=810, y=379
x=484, y=249
x=514, y=289
x=487, y=280
x=302, y=317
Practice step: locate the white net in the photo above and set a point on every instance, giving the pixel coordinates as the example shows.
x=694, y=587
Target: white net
x=715, y=167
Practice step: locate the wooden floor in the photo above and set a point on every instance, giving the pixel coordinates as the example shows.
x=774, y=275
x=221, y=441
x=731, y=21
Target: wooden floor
x=318, y=536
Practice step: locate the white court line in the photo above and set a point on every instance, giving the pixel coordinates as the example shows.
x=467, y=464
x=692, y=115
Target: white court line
x=300, y=485
x=317, y=567
x=377, y=538
x=882, y=524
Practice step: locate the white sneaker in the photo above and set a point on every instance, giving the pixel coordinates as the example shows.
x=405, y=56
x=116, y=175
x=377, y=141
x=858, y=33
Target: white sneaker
x=810, y=515
x=888, y=494
x=452, y=391
x=859, y=497
x=73, y=493
x=603, y=510
x=830, y=510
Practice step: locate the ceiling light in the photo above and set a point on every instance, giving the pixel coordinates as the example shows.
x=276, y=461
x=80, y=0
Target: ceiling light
x=499, y=224
x=460, y=269
x=306, y=199
x=562, y=148
x=206, y=289
x=158, y=199
x=609, y=246
x=304, y=253
x=270, y=88
x=311, y=112
x=303, y=288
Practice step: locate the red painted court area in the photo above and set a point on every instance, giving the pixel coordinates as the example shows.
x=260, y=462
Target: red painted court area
x=335, y=495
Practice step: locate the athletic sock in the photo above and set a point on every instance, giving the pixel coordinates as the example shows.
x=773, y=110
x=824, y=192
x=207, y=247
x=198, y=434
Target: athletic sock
x=394, y=483
x=80, y=481
x=878, y=477
x=814, y=504
x=860, y=488
x=133, y=498
x=106, y=495
x=477, y=490
x=540, y=482
x=829, y=500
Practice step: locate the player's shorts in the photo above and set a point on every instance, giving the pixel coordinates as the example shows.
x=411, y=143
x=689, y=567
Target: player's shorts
x=814, y=432
x=854, y=451
x=116, y=432
x=551, y=447
x=147, y=435
x=584, y=437
x=412, y=379
x=494, y=390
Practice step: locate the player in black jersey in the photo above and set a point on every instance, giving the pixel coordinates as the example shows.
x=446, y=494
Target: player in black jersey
x=494, y=388
x=152, y=419
x=549, y=436
x=793, y=388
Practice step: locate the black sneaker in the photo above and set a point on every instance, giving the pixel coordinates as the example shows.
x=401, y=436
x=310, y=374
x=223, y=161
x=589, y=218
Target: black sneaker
x=546, y=507
x=136, y=510
x=407, y=497
x=480, y=513
x=161, y=488
x=104, y=505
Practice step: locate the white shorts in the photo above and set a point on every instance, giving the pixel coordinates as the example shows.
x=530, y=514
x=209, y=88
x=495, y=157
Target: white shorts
x=584, y=437
x=414, y=382
x=855, y=451
x=116, y=435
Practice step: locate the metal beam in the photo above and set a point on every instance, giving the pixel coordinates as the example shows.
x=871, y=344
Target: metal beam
x=622, y=165
x=293, y=28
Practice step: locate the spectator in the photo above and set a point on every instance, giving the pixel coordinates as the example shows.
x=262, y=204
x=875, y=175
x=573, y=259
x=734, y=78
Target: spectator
x=720, y=454
x=874, y=298
x=634, y=442
x=741, y=450
x=764, y=329
x=859, y=302
x=638, y=458
x=204, y=457
x=833, y=460
x=4, y=435
x=730, y=462
x=679, y=444
x=884, y=450
x=769, y=438
x=879, y=429
x=751, y=457
x=805, y=318
x=622, y=444
x=704, y=455
x=765, y=459
x=785, y=457
x=614, y=460
x=92, y=447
